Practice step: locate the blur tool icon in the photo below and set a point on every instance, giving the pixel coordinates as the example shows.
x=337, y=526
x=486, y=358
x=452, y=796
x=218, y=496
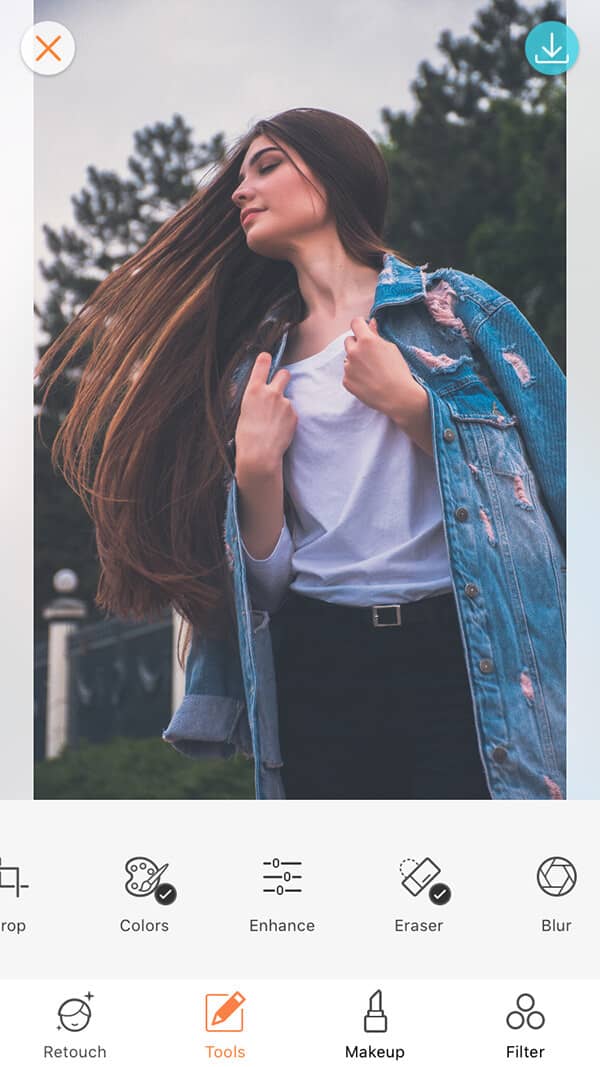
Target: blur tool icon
x=556, y=876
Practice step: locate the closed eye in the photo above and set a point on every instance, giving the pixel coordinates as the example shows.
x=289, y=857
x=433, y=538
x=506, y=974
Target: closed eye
x=266, y=169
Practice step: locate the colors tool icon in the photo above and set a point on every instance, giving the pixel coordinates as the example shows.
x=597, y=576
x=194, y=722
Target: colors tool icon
x=144, y=876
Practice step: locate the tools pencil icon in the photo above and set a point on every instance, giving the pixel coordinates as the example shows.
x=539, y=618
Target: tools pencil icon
x=223, y=1008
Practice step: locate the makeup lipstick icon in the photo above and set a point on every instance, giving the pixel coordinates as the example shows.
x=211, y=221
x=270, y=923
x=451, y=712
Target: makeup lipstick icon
x=375, y=1019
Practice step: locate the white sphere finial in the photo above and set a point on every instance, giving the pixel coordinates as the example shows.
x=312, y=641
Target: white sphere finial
x=65, y=581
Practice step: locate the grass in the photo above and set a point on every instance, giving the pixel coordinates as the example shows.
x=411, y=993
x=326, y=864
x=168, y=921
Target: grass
x=140, y=769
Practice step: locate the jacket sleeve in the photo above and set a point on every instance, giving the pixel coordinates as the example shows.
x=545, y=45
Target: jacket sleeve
x=211, y=720
x=532, y=384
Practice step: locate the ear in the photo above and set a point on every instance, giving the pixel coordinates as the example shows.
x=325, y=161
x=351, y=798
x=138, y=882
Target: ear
x=373, y=324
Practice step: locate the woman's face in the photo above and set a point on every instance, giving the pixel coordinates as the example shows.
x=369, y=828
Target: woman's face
x=288, y=208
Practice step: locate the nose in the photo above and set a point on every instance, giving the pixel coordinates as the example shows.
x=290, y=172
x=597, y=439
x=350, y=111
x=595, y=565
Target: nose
x=240, y=195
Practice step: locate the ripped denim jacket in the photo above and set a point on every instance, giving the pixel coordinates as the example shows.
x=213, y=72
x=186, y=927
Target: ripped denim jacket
x=497, y=404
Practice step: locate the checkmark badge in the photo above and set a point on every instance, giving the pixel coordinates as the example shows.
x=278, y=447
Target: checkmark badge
x=440, y=893
x=165, y=893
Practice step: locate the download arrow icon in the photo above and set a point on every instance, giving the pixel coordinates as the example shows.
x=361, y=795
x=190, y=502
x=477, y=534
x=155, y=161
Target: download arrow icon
x=551, y=48
x=552, y=51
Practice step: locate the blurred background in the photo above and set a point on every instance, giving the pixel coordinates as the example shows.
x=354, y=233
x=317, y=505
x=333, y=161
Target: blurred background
x=475, y=144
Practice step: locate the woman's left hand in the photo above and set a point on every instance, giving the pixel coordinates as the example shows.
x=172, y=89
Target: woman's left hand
x=376, y=372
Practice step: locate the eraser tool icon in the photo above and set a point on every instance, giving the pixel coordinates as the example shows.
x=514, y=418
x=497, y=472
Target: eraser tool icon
x=421, y=876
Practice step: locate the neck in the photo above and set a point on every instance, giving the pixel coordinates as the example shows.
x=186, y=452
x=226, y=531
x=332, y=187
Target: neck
x=330, y=281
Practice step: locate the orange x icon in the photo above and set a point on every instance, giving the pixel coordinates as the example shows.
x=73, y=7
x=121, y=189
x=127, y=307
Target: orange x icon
x=48, y=47
x=57, y=50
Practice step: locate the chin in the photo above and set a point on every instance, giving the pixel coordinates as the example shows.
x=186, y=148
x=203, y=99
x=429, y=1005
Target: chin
x=265, y=246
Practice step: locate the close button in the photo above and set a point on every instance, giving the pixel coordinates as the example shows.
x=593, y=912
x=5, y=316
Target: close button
x=48, y=48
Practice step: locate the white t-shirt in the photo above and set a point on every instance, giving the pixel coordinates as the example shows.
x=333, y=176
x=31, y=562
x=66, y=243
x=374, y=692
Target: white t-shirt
x=367, y=512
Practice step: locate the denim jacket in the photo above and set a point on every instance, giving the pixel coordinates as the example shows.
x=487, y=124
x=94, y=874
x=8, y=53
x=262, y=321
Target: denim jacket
x=497, y=405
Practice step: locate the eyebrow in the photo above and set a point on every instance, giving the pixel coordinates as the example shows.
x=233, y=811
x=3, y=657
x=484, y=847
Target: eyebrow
x=257, y=155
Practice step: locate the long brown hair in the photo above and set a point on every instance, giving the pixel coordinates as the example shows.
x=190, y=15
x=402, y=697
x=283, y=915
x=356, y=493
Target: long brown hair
x=145, y=442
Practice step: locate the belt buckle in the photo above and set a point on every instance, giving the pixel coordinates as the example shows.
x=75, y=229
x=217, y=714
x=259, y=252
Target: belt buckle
x=397, y=621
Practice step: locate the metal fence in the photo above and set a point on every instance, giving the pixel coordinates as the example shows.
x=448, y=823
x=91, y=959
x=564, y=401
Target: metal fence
x=119, y=681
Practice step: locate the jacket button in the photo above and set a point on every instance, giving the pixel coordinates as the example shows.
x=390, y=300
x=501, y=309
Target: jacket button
x=499, y=755
x=471, y=589
x=461, y=514
x=448, y=435
x=486, y=666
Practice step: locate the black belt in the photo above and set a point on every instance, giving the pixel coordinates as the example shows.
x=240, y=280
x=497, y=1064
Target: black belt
x=429, y=609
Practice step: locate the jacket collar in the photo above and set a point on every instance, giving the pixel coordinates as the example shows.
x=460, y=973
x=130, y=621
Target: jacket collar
x=398, y=283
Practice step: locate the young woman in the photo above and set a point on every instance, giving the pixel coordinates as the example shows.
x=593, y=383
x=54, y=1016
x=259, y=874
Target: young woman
x=345, y=473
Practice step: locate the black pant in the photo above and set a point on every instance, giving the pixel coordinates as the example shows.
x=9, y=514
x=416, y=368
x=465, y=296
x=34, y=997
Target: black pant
x=374, y=713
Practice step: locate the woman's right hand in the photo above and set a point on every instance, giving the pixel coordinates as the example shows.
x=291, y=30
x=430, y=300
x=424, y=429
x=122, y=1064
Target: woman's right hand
x=267, y=420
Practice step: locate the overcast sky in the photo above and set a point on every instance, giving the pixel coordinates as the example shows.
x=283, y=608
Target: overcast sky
x=222, y=66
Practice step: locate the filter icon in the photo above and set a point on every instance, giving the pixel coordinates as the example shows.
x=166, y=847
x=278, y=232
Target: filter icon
x=525, y=1014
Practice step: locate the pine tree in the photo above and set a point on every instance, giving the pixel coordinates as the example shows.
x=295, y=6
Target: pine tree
x=478, y=168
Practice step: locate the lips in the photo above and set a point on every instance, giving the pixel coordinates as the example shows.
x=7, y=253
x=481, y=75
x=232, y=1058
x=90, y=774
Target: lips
x=249, y=213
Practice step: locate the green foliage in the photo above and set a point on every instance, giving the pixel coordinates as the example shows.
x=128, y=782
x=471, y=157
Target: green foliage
x=126, y=769
x=478, y=169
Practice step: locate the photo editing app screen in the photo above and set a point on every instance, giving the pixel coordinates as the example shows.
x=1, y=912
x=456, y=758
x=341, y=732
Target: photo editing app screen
x=289, y=300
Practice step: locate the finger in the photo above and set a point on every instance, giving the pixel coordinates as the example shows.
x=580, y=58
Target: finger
x=279, y=380
x=359, y=327
x=261, y=368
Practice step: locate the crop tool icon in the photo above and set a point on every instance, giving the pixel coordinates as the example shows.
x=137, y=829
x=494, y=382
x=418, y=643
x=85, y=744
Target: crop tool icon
x=10, y=878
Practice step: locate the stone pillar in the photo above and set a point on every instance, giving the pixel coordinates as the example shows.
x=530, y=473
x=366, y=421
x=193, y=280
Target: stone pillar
x=63, y=615
x=177, y=674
